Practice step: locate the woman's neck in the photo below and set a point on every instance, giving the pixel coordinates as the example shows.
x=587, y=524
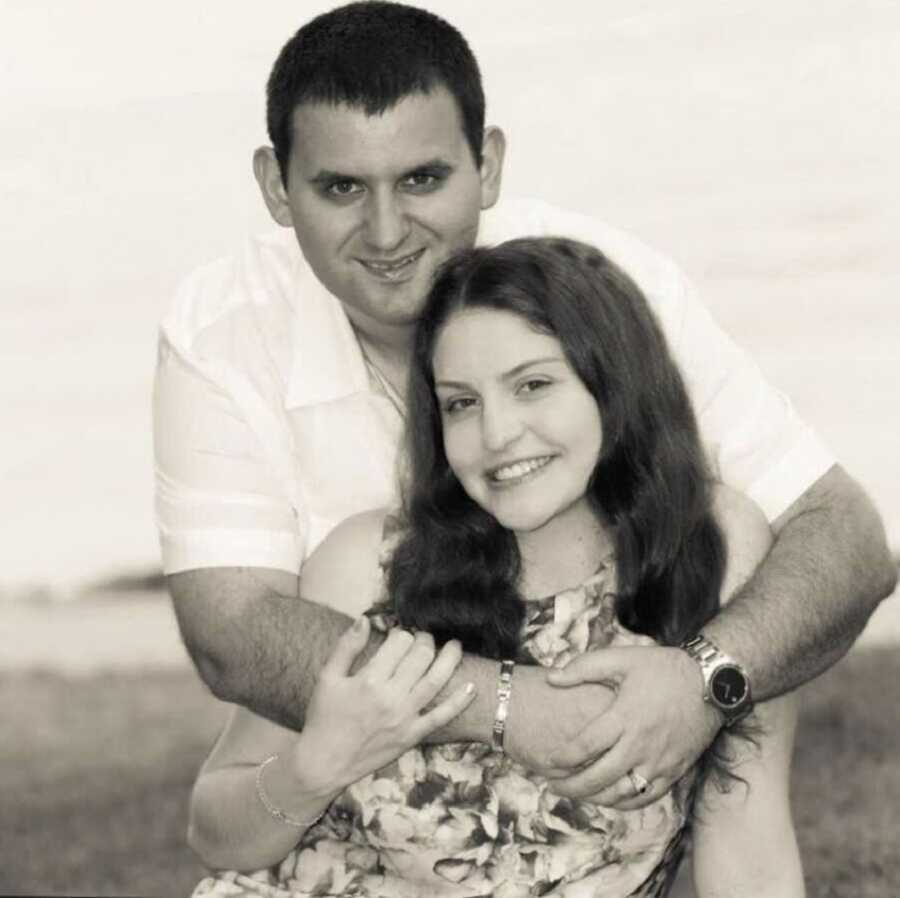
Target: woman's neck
x=563, y=553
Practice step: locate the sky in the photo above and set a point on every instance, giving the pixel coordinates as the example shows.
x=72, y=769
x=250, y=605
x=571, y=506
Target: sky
x=754, y=143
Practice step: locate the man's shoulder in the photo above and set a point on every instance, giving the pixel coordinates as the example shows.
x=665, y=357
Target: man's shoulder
x=262, y=315
x=261, y=280
x=655, y=273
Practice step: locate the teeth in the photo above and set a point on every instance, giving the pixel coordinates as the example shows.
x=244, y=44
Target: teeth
x=391, y=274
x=390, y=268
x=519, y=469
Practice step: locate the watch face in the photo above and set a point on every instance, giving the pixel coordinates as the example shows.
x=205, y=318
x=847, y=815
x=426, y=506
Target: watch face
x=728, y=687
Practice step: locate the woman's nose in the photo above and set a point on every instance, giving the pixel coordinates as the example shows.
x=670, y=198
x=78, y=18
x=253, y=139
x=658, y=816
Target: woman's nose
x=501, y=424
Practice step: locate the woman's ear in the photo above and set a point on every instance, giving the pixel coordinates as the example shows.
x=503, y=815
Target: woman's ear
x=493, y=149
x=267, y=172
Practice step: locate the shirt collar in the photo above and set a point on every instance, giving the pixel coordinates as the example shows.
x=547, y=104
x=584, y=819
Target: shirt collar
x=327, y=362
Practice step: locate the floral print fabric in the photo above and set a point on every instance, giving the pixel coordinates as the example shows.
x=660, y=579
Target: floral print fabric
x=460, y=820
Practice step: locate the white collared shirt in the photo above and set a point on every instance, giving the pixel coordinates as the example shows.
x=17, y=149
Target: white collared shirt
x=269, y=431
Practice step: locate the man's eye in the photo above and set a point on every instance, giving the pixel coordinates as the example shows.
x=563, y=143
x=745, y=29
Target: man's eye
x=343, y=188
x=421, y=180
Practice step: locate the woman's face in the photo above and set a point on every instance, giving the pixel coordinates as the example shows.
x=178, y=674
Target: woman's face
x=521, y=431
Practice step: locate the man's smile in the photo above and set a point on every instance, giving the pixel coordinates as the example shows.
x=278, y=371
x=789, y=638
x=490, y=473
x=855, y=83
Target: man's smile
x=392, y=269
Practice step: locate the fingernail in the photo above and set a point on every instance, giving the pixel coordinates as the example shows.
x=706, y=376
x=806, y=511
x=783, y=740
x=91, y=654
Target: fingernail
x=470, y=688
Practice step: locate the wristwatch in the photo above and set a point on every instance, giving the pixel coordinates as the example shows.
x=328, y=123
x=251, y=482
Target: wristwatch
x=726, y=685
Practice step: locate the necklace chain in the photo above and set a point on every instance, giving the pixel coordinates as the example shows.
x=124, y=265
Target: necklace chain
x=387, y=387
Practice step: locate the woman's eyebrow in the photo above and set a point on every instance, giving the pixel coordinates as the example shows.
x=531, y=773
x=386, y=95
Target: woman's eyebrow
x=515, y=371
x=531, y=363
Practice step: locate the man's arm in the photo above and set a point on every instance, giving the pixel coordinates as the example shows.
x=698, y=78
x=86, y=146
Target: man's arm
x=253, y=640
x=826, y=573
x=256, y=643
x=809, y=599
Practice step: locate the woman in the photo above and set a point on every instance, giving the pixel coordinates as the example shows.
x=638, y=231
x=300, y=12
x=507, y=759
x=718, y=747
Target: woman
x=556, y=502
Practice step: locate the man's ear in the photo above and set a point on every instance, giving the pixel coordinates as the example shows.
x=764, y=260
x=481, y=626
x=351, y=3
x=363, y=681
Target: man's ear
x=267, y=172
x=493, y=149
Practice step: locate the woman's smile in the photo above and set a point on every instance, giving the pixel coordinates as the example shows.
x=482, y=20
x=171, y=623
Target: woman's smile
x=513, y=474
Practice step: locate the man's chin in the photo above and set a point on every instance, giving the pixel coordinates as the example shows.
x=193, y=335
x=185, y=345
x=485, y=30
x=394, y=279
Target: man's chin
x=375, y=318
x=401, y=304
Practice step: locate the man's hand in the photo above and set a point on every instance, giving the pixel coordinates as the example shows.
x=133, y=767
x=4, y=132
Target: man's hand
x=657, y=725
x=543, y=719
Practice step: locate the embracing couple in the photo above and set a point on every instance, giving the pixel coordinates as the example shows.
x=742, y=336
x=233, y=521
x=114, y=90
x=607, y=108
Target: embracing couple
x=558, y=630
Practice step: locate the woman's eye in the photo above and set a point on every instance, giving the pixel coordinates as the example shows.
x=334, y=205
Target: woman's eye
x=458, y=404
x=533, y=385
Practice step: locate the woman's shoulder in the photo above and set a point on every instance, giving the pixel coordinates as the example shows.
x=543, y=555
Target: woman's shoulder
x=343, y=571
x=732, y=506
x=361, y=531
x=748, y=536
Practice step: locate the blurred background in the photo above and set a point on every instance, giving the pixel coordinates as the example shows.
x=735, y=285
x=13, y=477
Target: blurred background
x=757, y=144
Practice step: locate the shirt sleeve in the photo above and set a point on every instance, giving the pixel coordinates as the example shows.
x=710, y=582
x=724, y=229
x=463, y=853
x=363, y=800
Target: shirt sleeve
x=220, y=500
x=756, y=441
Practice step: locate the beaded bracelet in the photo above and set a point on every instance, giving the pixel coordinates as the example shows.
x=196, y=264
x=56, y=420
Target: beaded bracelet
x=504, y=690
x=276, y=812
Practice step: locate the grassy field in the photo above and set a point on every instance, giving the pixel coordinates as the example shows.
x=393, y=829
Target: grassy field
x=95, y=773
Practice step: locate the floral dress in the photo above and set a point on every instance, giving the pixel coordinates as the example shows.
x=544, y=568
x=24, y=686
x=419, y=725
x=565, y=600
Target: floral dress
x=460, y=820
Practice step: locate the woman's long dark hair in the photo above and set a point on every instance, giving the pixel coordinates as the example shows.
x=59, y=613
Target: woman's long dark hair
x=456, y=569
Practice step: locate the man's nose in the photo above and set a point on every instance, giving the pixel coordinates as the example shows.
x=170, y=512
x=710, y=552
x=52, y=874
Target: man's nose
x=387, y=224
x=501, y=425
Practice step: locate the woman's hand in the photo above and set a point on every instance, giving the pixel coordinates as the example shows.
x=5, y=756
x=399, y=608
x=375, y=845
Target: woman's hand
x=358, y=723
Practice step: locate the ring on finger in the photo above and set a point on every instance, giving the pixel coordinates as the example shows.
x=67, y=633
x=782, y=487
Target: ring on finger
x=639, y=783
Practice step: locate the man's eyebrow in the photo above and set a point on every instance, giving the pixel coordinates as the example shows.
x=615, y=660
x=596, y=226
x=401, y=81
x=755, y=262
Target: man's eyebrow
x=326, y=176
x=506, y=375
x=436, y=166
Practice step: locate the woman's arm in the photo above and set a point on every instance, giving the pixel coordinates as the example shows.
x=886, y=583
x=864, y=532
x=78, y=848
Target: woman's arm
x=744, y=840
x=356, y=723
x=229, y=827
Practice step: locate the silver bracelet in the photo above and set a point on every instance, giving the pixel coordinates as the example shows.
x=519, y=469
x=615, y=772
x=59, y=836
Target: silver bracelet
x=504, y=690
x=276, y=812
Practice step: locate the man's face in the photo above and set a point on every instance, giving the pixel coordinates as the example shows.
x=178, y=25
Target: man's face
x=378, y=202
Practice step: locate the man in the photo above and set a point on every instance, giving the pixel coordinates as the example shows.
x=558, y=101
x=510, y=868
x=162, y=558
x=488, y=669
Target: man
x=279, y=406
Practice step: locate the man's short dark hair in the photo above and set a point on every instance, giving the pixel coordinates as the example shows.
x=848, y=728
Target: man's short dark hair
x=371, y=55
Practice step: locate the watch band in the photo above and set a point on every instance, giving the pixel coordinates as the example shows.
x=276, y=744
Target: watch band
x=722, y=677
x=702, y=650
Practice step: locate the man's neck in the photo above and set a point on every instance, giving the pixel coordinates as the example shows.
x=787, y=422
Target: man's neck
x=390, y=357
